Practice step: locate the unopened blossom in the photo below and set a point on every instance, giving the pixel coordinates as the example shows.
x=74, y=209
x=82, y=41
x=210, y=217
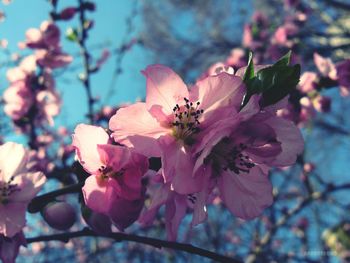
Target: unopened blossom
x=18, y=186
x=173, y=119
x=116, y=173
x=59, y=215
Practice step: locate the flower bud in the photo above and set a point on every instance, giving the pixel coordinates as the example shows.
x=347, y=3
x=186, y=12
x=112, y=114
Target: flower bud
x=68, y=13
x=59, y=215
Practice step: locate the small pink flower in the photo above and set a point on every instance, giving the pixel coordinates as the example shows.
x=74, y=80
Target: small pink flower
x=325, y=66
x=308, y=81
x=18, y=187
x=116, y=173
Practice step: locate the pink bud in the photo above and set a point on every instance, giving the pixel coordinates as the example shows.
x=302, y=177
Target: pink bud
x=59, y=215
x=68, y=13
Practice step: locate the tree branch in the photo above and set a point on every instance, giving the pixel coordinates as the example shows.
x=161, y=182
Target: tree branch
x=157, y=243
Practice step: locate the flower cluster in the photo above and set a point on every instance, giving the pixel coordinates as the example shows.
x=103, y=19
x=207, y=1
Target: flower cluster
x=206, y=140
x=31, y=97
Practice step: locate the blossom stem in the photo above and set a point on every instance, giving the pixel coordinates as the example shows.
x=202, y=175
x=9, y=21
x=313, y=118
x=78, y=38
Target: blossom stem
x=158, y=243
x=40, y=201
x=85, y=78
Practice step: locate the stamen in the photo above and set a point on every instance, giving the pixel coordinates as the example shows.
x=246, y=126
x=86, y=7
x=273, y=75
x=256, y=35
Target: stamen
x=186, y=120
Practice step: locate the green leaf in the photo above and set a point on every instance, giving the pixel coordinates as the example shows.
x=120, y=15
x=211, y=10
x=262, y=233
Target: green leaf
x=285, y=60
x=72, y=34
x=273, y=82
x=249, y=72
x=283, y=81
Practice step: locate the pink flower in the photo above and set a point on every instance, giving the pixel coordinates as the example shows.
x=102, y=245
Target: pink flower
x=116, y=172
x=325, y=66
x=242, y=154
x=18, y=100
x=18, y=186
x=47, y=36
x=52, y=58
x=9, y=247
x=308, y=81
x=173, y=119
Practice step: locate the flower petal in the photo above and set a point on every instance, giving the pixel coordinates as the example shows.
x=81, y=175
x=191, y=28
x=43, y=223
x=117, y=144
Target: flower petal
x=164, y=88
x=98, y=195
x=291, y=140
x=218, y=91
x=12, y=218
x=135, y=127
x=13, y=158
x=29, y=184
x=246, y=195
x=85, y=140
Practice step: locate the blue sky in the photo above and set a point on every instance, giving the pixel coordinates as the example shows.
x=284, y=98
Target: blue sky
x=109, y=29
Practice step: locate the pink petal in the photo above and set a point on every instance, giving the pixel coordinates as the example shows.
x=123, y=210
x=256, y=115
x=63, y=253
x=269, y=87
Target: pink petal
x=175, y=211
x=85, y=140
x=216, y=92
x=164, y=88
x=246, y=195
x=13, y=158
x=12, y=218
x=98, y=195
x=292, y=141
x=125, y=212
x=135, y=127
x=29, y=184
x=177, y=164
x=159, y=198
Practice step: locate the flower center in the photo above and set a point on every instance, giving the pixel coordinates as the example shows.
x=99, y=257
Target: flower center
x=226, y=156
x=107, y=172
x=186, y=123
x=6, y=189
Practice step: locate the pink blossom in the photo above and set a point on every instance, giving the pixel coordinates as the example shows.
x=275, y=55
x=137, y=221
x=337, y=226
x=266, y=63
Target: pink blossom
x=308, y=82
x=18, y=100
x=47, y=36
x=173, y=119
x=9, y=247
x=52, y=58
x=116, y=173
x=245, y=147
x=325, y=66
x=18, y=187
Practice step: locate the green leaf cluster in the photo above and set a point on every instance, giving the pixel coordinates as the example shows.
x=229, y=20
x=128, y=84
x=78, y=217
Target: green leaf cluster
x=272, y=82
